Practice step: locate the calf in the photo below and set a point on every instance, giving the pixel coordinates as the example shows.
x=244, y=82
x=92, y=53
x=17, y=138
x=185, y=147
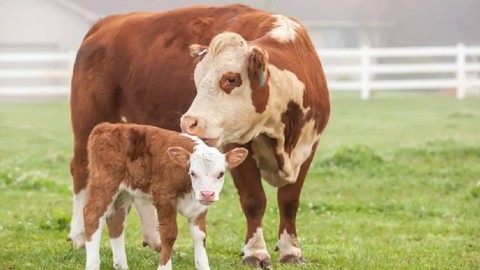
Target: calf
x=173, y=171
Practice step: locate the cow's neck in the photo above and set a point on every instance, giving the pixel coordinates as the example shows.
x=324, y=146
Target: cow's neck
x=287, y=134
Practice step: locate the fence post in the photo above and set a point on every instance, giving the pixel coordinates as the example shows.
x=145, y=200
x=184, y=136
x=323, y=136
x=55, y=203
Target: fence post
x=365, y=73
x=461, y=72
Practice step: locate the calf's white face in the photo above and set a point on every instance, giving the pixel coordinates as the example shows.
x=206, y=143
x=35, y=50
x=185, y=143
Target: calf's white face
x=206, y=168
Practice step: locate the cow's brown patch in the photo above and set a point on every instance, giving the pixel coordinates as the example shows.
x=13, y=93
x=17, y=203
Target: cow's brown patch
x=300, y=58
x=278, y=156
x=294, y=120
x=259, y=76
x=229, y=81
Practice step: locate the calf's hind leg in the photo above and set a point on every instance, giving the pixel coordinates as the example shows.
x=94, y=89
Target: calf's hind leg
x=96, y=209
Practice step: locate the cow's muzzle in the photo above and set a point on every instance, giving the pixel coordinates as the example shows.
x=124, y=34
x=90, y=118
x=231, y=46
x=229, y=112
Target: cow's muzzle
x=197, y=126
x=191, y=125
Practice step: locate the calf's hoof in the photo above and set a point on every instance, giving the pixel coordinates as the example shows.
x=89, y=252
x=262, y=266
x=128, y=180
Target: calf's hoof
x=258, y=263
x=294, y=259
x=154, y=247
x=78, y=241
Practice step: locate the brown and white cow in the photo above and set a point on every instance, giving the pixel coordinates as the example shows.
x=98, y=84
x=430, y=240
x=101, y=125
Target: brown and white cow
x=259, y=84
x=175, y=172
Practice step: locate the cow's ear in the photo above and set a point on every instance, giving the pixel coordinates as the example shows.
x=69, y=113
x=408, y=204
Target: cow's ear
x=179, y=156
x=197, y=50
x=257, y=64
x=236, y=156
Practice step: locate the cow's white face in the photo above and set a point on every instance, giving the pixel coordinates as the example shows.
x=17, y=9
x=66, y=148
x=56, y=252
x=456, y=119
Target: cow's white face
x=206, y=168
x=232, y=91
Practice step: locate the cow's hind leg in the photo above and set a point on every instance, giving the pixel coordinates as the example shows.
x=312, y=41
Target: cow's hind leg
x=78, y=169
x=148, y=218
x=116, y=229
x=93, y=100
x=253, y=200
x=288, y=202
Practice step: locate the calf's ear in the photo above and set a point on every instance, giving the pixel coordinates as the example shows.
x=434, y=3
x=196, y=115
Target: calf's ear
x=179, y=156
x=197, y=50
x=257, y=63
x=236, y=156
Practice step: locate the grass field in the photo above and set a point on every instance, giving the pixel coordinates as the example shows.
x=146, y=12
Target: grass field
x=395, y=185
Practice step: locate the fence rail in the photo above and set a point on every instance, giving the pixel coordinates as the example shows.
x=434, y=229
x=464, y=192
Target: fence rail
x=364, y=69
x=432, y=68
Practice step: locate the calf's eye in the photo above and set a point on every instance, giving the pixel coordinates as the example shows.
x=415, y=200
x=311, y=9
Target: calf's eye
x=192, y=174
x=231, y=80
x=220, y=175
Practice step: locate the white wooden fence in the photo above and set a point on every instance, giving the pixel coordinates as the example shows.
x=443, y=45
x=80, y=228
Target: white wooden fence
x=432, y=68
x=41, y=74
x=364, y=70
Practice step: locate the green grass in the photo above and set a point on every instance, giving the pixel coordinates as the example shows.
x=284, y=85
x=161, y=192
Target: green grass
x=395, y=185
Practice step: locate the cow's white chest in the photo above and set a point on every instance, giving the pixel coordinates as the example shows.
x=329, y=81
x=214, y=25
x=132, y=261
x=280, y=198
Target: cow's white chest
x=285, y=87
x=189, y=207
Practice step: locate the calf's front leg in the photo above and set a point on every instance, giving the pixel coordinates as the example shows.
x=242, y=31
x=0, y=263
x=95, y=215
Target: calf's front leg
x=167, y=224
x=199, y=234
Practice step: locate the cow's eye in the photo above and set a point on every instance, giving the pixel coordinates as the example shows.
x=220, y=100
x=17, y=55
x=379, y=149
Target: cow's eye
x=220, y=175
x=192, y=174
x=231, y=80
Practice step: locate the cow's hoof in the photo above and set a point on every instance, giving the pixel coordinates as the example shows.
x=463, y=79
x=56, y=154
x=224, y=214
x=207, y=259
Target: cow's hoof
x=78, y=241
x=120, y=266
x=257, y=263
x=290, y=258
x=153, y=247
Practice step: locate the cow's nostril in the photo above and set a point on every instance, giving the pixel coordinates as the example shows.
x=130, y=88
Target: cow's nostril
x=189, y=124
x=194, y=124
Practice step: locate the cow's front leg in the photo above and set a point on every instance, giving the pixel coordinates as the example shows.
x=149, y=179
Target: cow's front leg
x=247, y=179
x=199, y=234
x=288, y=202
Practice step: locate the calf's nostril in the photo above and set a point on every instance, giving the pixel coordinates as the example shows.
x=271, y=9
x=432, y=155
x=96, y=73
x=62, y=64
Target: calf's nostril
x=207, y=194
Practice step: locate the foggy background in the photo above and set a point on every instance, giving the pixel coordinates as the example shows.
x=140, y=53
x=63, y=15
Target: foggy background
x=61, y=24
x=39, y=40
